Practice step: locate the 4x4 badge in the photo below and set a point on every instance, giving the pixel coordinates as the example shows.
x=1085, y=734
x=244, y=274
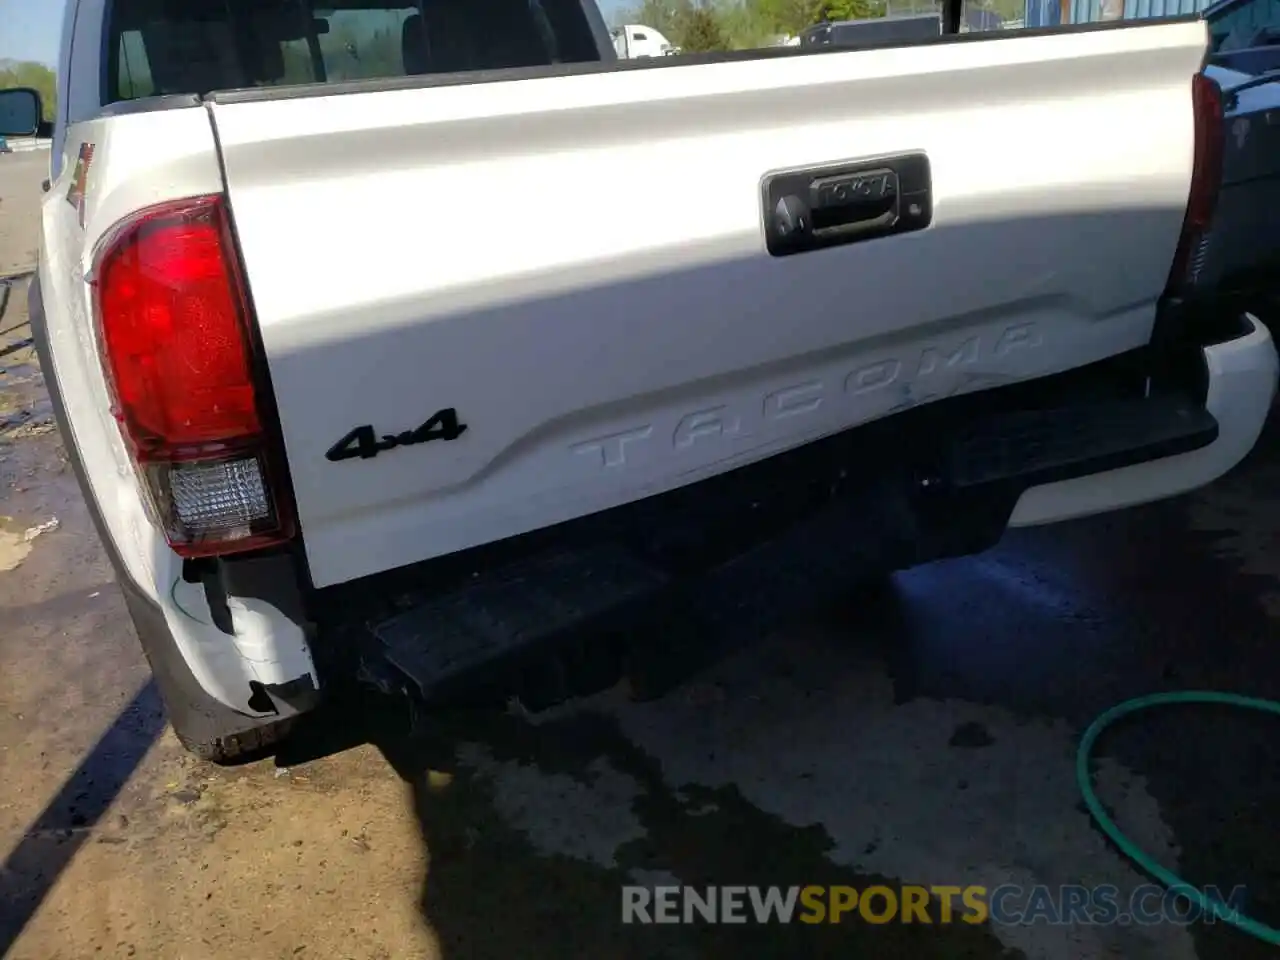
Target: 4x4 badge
x=364, y=442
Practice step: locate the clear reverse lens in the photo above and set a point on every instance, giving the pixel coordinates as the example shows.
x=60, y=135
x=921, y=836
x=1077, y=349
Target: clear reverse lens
x=201, y=504
x=218, y=495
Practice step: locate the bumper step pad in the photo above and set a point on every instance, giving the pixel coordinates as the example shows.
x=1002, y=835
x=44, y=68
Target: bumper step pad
x=1034, y=447
x=579, y=597
x=507, y=609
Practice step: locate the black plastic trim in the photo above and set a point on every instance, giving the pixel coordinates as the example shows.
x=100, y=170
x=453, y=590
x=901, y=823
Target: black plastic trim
x=289, y=699
x=173, y=101
x=736, y=551
x=798, y=218
x=299, y=91
x=108, y=57
x=1117, y=434
x=270, y=577
x=599, y=30
x=1231, y=327
x=1184, y=327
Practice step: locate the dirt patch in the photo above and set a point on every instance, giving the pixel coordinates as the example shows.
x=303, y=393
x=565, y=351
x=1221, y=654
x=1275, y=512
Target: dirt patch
x=20, y=198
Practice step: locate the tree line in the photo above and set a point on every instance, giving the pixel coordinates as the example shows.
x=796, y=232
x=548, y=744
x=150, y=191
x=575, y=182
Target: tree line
x=707, y=25
x=699, y=26
x=29, y=74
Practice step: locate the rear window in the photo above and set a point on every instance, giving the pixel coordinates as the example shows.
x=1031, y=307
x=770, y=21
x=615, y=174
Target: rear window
x=158, y=47
x=161, y=47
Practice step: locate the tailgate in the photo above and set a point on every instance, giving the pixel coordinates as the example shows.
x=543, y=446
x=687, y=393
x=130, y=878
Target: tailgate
x=577, y=266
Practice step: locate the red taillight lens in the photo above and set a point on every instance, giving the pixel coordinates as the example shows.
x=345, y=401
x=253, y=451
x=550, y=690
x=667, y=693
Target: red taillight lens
x=173, y=333
x=1206, y=178
x=173, y=329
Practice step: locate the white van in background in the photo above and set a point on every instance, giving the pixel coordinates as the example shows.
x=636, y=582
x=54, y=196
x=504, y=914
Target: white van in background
x=635, y=40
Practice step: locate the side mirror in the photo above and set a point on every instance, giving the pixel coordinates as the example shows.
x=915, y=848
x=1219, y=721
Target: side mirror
x=19, y=112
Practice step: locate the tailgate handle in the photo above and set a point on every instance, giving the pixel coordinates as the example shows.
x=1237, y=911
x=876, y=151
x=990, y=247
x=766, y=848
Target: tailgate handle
x=819, y=207
x=854, y=200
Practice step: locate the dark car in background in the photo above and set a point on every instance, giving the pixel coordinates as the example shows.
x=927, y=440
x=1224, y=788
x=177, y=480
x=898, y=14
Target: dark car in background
x=1240, y=256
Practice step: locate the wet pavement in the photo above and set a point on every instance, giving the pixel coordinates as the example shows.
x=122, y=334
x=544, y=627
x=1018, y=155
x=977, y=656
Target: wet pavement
x=923, y=733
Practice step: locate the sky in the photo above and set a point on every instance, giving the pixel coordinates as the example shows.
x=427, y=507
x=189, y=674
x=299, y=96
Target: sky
x=607, y=7
x=29, y=30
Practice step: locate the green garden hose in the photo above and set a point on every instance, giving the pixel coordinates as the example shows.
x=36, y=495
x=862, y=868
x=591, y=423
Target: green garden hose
x=1208, y=904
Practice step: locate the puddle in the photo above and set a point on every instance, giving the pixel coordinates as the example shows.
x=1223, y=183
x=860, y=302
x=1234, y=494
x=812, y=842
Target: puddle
x=19, y=370
x=25, y=409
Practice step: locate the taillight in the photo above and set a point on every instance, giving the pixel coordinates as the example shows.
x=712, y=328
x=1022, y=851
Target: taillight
x=173, y=328
x=1206, y=177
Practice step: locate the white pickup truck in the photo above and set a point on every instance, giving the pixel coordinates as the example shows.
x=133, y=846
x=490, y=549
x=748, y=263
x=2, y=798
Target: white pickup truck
x=370, y=378
x=633, y=41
